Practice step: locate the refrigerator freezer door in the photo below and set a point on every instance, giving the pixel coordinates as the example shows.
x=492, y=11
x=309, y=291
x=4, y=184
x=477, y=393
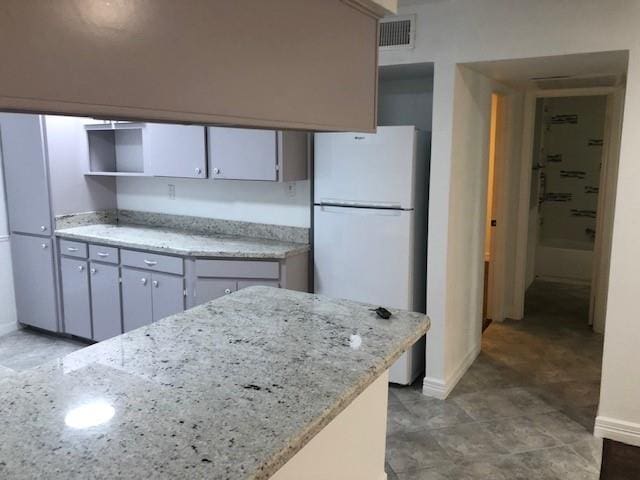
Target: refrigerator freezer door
x=364, y=254
x=366, y=169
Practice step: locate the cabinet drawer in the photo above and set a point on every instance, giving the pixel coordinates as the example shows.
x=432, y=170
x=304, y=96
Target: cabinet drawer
x=152, y=261
x=237, y=269
x=73, y=249
x=103, y=254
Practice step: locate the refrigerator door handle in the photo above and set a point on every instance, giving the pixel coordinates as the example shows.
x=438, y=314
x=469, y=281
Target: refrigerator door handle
x=354, y=204
x=345, y=210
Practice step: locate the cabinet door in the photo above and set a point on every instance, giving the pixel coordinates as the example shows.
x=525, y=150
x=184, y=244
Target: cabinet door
x=252, y=283
x=168, y=295
x=75, y=297
x=27, y=186
x=208, y=289
x=34, y=281
x=105, y=301
x=242, y=154
x=137, y=309
x=174, y=150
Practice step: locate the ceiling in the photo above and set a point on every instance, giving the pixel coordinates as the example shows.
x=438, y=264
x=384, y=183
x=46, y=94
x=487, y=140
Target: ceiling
x=563, y=71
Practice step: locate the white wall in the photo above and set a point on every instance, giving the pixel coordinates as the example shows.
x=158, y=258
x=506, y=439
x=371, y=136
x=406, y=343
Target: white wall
x=451, y=32
x=8, y=319
x=261, y=202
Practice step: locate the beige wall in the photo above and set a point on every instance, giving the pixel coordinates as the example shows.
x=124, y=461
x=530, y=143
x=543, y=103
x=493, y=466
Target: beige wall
x=451, y=32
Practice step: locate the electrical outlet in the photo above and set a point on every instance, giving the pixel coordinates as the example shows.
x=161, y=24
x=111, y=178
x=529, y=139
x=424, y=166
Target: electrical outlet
x=291, y=189
x=172, y=192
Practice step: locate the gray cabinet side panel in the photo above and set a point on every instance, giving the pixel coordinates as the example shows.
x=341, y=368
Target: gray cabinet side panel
x=76, y=305
x=25, y=171
x=295, y=273
x=168, y=295
x=137, y=308
x=34, y=281
x=242, y=154
x=71, y=190
x=105, y=301
x=174, y=150
x=293, y=156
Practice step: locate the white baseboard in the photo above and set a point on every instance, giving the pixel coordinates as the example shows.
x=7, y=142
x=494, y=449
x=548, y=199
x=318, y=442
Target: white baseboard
x=8, y=328
x=437, y=388
x=618, y=430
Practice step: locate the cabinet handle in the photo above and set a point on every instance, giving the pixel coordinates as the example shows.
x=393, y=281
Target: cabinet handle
x=217, y=171
x=155, y=283
x=151, y=263
x=81, y=267
x=198, y=170
x=227, y=291
x=44, y=246
x=43, y=228
x=72, y=249
x=143, y=281
x=93, y=271
x=103, y=254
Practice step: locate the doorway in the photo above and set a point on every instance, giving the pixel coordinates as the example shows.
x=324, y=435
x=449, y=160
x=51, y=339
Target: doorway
x=574, y=158
x=495, y=151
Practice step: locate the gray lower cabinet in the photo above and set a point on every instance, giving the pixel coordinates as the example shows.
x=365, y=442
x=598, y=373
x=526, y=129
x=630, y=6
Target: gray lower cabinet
x=75, y=297
x=105, y=301
x=149, y=296
x=34, y=281
x=137, y=303
x=167, y=295
x=208, y=289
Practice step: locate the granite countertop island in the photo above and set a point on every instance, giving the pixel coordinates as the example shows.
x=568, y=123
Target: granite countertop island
x=182, y=242
x=232, y=389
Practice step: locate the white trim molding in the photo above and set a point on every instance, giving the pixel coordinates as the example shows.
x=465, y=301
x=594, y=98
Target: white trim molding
x=437, y=388
x=618, y=430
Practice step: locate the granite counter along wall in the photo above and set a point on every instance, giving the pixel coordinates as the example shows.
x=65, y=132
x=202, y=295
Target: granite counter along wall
x=197, y=225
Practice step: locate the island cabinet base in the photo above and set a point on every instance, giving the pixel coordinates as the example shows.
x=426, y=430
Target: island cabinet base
x=351, y=446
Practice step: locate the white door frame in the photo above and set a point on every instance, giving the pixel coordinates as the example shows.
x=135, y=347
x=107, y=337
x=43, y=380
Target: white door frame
x=606, y=200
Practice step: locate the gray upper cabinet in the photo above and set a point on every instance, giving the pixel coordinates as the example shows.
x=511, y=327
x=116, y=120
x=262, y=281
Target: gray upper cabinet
x=137, y=307
x=168, y=295
x=25, y=170
x=75, y=297
x=105, y=300
x=34, y=281
x=245, y=154
x=174, y=150
x=146, y=149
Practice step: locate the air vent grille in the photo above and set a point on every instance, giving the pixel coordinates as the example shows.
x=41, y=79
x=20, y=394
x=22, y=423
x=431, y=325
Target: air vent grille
x=397, y=32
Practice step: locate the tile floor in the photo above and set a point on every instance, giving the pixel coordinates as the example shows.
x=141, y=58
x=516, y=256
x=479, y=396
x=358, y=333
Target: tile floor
x=26, y=348
x=524, y=410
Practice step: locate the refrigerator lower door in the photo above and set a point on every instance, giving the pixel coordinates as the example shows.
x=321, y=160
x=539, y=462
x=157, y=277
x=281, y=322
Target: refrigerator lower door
x=366, y=255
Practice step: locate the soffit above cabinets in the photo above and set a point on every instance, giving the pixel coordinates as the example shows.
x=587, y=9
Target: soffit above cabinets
x=282, y=64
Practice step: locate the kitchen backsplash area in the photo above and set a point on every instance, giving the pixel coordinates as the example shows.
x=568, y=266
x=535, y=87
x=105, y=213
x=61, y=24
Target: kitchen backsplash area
x=273, y=203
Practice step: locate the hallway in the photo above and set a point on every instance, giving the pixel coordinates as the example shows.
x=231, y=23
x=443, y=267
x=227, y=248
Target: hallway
x=524, y=410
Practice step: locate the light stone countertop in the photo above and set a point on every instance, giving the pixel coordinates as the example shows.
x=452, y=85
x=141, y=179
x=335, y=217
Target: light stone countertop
x=232, y=389
x=178, y=242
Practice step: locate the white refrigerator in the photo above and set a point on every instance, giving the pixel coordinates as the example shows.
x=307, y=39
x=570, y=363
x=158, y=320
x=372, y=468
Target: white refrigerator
x=370, y=216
